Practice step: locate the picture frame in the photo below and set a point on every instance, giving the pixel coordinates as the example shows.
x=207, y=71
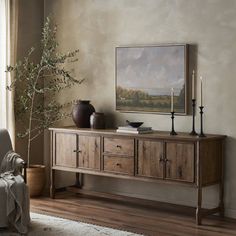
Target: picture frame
x=145, y=76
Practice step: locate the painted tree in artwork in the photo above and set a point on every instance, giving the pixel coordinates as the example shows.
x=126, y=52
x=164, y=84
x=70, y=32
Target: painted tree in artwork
x=181, y=98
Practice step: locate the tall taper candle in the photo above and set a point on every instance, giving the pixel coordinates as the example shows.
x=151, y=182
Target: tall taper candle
x=172, y=99
x=201, y=90
x=193, y=83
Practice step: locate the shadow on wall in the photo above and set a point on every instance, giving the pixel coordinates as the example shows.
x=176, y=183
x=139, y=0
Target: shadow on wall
x=193, y=53
x=110, y=120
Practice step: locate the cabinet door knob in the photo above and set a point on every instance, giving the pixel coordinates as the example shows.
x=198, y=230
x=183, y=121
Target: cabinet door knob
x=118, y=146
x=118, y=164
x=161, y=159
x=180, y=172
x=78, y=151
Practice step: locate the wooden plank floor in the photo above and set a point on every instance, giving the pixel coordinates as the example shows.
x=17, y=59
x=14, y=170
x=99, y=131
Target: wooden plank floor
x=147, y=219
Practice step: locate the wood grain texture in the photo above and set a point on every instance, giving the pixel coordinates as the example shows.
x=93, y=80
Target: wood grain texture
x=89, y=152
x=180, y=161
x=117, y=164
x=211, y=159
x=120, y=176
x=154, y=219
x=157, y=134
x=150, y=159
x=65, y=145
x=119, y=146
x=157, y=157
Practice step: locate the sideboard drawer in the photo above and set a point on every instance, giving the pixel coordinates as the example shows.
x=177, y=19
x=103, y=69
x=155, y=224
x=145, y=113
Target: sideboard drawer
x=123, y=165
x=119, y=146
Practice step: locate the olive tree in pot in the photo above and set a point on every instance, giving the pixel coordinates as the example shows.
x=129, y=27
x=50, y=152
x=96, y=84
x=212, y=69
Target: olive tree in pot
x=35, y=85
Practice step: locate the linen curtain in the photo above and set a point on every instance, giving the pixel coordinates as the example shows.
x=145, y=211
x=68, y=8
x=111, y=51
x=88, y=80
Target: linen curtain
x=8, y=39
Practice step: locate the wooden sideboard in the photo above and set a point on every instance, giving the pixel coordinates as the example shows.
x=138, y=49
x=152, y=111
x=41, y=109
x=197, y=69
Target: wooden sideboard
x=155, y=157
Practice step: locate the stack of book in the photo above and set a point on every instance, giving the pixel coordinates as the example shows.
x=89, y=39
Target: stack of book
x=139, y=130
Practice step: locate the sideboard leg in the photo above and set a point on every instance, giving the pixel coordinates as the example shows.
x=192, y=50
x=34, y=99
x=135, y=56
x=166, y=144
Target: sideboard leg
x=199, y=206
x=52, y=187
x=221, y=185
x=221, y=203
x=79, y=180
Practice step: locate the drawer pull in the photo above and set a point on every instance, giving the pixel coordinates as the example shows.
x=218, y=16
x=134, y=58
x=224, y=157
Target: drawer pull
x=118, y=146
x=118, y=164
x=78, y=151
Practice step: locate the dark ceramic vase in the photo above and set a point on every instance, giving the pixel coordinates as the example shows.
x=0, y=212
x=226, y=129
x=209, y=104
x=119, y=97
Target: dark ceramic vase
x=81, y=113
x=97, y=120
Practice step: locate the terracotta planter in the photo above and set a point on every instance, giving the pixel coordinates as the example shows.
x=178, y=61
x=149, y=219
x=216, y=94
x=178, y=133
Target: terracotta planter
x=81, y=113
x=35, y=179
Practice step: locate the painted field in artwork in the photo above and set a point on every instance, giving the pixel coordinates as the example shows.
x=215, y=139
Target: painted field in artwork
x=145, y=76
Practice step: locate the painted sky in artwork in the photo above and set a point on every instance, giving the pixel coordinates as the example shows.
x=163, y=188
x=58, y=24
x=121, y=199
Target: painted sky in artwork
x=154, y=70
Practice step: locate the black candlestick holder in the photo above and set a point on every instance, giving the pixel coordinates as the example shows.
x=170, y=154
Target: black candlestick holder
x=172, y=121
x=193, y=112
x=201, y=122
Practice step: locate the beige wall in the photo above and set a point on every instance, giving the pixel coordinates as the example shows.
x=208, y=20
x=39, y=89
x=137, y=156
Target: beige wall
x=96, y=27
x=30, y=24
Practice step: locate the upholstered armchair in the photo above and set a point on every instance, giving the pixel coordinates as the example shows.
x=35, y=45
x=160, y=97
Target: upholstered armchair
x=14, y=196
x=6, y=146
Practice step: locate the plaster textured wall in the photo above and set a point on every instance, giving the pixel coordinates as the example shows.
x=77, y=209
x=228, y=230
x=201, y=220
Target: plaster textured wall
x=96, y=27
x=30, y=22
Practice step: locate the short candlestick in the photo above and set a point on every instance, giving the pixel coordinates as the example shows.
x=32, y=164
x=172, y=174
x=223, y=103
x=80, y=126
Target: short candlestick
x=193, y=112
x=172, y=121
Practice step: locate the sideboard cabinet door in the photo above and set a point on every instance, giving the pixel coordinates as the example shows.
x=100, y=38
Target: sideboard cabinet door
x=89, y=152
x=150, y=159
x=65, y=150
x=180, y=161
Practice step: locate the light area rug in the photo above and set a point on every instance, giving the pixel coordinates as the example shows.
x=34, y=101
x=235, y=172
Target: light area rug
x=44, y=225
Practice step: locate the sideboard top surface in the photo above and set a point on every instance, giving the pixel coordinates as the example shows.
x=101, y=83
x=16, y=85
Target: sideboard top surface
x=155, y=134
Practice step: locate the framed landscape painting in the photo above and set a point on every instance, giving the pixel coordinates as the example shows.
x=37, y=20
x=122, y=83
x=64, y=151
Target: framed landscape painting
x=145, y=76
